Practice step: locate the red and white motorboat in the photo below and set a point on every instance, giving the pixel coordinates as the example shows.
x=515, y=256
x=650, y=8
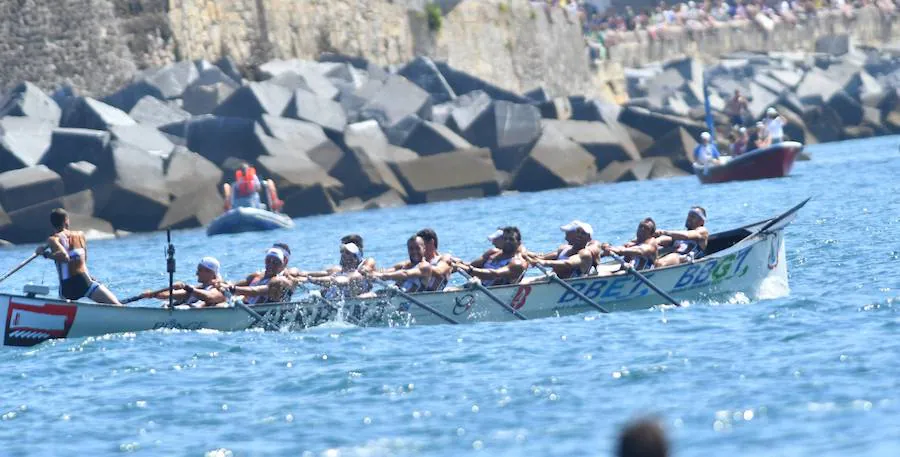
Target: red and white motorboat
x=774, y=161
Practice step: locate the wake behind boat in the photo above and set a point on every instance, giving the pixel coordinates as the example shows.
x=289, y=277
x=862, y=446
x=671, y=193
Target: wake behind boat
x=237, y=220
x=744, y=260
x=774, y=161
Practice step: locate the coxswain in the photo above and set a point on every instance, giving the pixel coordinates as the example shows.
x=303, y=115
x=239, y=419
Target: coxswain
x=641, y=252
x=267, y=286
x=203, y=294
x=689, y=245
x=507, y=266
x=68, y=248
x=570, y=260
x=416, y=274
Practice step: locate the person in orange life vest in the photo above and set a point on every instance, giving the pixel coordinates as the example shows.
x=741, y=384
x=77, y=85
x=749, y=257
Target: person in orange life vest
x=244, y=192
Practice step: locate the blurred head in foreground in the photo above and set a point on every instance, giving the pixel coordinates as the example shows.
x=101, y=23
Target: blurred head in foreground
x=643, y=438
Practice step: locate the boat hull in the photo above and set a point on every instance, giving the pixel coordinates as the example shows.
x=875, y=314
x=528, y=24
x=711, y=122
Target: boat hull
x=742, y=268
x=239, y=220
x=773, y=162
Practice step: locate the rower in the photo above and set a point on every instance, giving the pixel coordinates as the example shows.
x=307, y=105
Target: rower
x=267, y=286
x=441, y=264
x=640, y=252
x=68, y=248
x=570, y=260
x=416, y=274
x=203, y=294
x=346, y=279
x=432, y=255
x=706, y=153
x=352, y=259
x=505, y=267
x=689, y=245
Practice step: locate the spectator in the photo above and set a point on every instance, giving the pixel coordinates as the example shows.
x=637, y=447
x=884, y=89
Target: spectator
x=736, y=108
x=644, y=438
x=740, y=141
x=762, y=136
x=706, y=153
x=774, y=126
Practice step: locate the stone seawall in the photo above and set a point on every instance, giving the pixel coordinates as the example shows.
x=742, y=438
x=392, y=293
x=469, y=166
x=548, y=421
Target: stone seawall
x=98, y=45
x=868, y=26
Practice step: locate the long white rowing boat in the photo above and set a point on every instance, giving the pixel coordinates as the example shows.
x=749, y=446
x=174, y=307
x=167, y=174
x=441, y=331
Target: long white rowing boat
x=741, y=260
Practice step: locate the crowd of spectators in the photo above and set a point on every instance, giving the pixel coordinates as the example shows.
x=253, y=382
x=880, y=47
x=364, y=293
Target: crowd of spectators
x=603, y=29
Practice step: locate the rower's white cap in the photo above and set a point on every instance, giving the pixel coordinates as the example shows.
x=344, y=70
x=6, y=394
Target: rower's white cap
x=705, y=136
x=771, y=111
x=210, y=263
x=277, y=253
x=575, y=225
x=496, y=235
x=351, y=248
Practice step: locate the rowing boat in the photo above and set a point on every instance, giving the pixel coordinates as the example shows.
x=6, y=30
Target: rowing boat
x=774, y=161
x=745, y=260
x=237, y=220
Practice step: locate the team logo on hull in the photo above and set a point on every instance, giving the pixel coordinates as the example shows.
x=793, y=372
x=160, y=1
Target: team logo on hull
x=28, y=325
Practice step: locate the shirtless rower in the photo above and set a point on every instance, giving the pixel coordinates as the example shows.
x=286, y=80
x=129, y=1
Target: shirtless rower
x=640, y=252
x=570, y=260
x=352, y=259
x=689, y=244
x=348, y=276
x=201, y=295
x=68, y=248
x=441, y=264
x=496, y=240
x=505, y=267
x=267, y=286
x=415, y=274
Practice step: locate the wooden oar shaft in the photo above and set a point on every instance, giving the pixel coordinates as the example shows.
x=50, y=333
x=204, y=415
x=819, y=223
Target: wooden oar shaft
x=646, y=281
x=259, y=317
x=141, y=296
x=478, y=285
x=252, y=312
x=19, y=266
x=396, y=290
x=553, y=277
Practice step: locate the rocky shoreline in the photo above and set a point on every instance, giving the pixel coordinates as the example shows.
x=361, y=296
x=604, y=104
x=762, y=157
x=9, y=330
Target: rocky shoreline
x=342, y=134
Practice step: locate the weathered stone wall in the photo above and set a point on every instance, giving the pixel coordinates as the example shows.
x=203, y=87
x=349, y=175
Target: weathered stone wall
x=63, y=41
x=517, y=46
x=867, y=26
x=96, y=45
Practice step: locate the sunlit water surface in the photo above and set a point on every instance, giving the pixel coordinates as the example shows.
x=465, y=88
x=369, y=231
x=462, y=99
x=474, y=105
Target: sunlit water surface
x=815, y=373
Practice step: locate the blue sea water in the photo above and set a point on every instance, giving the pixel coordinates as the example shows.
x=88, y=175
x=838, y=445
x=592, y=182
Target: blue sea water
x=814, y=373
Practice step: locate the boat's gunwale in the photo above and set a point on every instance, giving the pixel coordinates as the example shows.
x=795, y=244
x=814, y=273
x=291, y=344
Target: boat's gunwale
x=749, y=155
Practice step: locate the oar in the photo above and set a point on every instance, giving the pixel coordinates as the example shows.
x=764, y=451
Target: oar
x=780, y=218
x=478, y=285
x=19, y=266
x=554, y=278
x=644, y=279
x=396, y=290
x=141, y=296
x=252, y=312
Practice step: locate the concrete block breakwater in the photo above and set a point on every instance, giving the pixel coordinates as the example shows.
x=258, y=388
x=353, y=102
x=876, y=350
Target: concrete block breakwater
x=337, y=134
